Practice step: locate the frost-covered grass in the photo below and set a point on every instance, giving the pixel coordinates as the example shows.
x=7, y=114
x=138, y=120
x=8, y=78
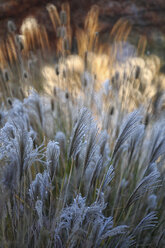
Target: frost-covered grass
x=78, y=167
x=70, y=189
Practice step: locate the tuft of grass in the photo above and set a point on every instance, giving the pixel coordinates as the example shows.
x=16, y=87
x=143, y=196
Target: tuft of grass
x=82, y=164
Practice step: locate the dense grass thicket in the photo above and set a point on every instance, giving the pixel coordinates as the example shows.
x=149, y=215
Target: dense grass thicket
x=82, y=138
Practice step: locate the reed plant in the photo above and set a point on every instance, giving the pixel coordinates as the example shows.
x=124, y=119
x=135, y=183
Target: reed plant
x=81, y=159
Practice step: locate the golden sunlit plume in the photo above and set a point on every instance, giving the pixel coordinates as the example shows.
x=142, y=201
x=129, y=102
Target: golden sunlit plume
x=91, y=27
x=142, y=45
x=35, y=35
x=62, y=28
x=87, y=38
x=54, y=16
x=123, y=31
x=2, y=58
x=119, y=34
x=7, y=51
x=97, y=58
x=65, y=20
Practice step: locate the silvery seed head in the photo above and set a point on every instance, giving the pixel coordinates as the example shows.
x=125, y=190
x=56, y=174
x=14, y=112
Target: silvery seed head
x=61, y=139
x=52, y=155
x=152, y=201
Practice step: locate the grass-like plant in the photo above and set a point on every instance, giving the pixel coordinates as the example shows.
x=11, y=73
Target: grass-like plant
x=82, y=166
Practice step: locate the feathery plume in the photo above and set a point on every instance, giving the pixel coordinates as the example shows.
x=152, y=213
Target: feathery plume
x=148, y=183
x=79, y=131
x=52, y=155
x=128, y=128
x=148, y=222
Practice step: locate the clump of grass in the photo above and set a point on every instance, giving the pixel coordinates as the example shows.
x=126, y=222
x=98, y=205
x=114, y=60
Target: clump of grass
x=83, y=194
x=77, y=167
